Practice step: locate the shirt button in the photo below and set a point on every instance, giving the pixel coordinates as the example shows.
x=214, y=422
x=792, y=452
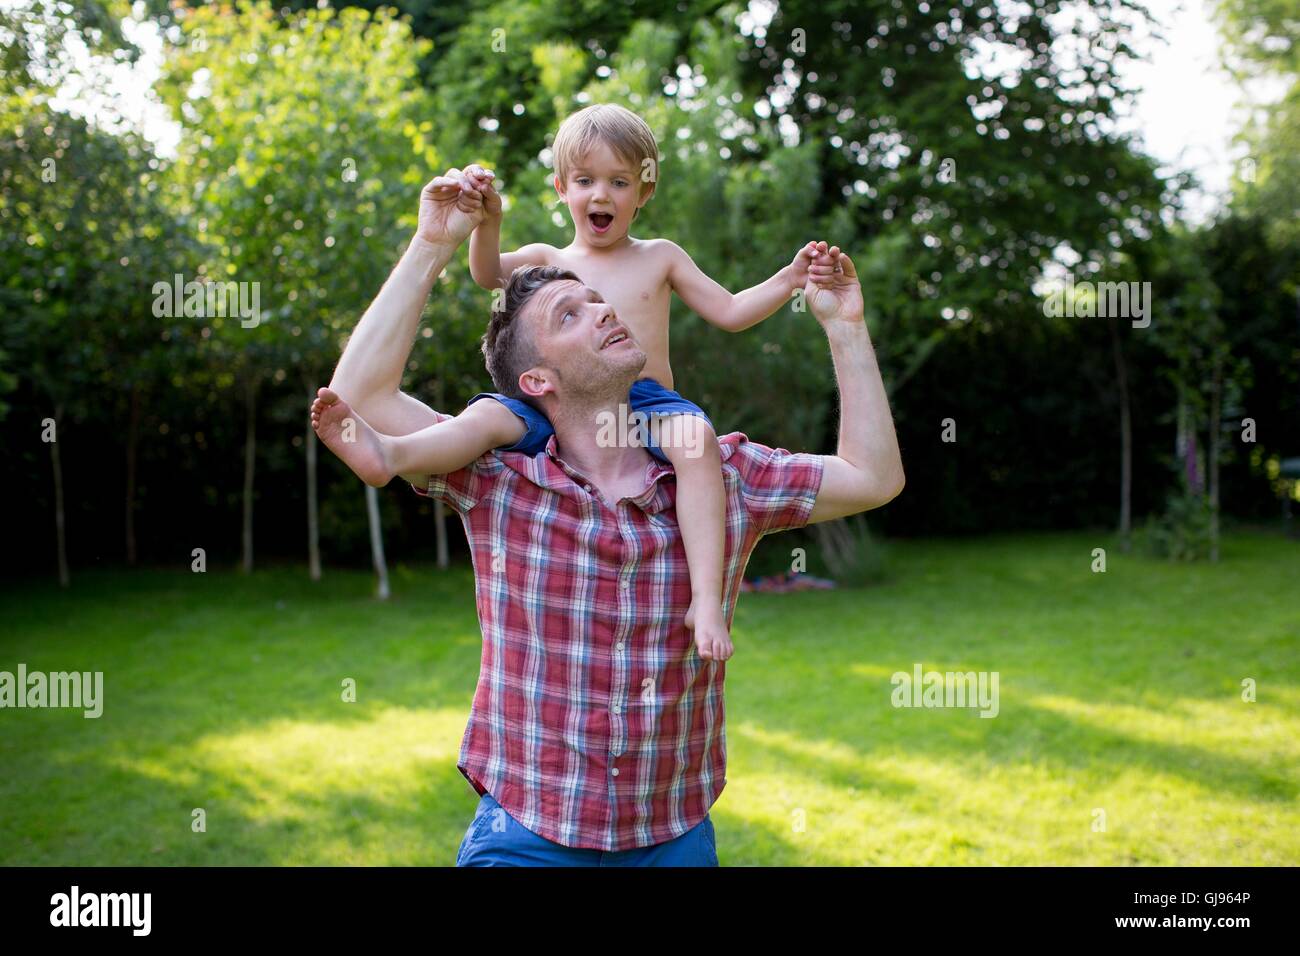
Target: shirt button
x=614, y=771
x=618, y=646
x=623, y=585
x=587, y=488
x=618, y=709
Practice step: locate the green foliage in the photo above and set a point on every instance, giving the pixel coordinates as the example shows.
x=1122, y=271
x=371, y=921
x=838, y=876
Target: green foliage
x=34, y=34
x=304, y=145
x=1264, y=44
x=891, y=93
x=81, y=220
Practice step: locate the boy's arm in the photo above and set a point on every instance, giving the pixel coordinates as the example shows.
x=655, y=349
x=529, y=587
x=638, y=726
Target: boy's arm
x=487, y=265
x=734, y=313
x=452, y=443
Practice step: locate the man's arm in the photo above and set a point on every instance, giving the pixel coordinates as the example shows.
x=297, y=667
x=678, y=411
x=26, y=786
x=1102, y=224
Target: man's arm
x=867, y=469
x=369, y=373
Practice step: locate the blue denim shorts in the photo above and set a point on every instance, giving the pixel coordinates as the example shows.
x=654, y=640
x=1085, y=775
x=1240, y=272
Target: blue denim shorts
x=646, y=395
x=495, y=838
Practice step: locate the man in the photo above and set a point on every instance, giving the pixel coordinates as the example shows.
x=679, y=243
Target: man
x=596, y=735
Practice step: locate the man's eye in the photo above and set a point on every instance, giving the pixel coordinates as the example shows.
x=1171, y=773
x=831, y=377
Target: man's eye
x=566, y=316
x=583, y=181
x=620, y=182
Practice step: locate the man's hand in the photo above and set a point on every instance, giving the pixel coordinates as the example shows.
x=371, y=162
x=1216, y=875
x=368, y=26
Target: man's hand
x=450, y=208
x=833, y=291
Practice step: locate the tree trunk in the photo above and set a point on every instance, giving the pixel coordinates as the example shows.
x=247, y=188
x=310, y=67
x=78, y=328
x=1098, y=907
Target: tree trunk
x=377, y=542
x=1216, y=397
x=439, y=510
x=1180, y=440
x=440, y=529
x=60, y=538
x=1125, y=440
x=250, y=453
x=313, y=514
x=132, y=441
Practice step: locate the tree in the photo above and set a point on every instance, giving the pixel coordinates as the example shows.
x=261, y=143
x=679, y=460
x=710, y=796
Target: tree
x=1263, y=51
x=81, y=222
x=303, y=140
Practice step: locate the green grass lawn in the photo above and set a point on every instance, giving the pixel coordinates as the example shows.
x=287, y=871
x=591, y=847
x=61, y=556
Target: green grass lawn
x=1119, y=692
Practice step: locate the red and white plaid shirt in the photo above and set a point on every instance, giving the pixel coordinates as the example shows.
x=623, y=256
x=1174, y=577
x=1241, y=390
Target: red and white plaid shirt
x=595, y=722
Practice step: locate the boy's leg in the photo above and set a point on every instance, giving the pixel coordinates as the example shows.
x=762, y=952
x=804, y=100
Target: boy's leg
x=690, y=444
x=439, y=449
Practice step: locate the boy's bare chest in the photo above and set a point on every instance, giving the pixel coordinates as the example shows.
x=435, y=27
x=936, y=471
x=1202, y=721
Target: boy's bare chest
x=637, y=289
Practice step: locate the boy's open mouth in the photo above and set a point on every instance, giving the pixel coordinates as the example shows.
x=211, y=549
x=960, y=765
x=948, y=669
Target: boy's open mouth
x=600, y=221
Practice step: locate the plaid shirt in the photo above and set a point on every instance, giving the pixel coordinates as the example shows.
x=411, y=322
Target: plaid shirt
x=595, y=722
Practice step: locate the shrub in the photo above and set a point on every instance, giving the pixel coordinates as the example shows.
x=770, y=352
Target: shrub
x=1182, y=532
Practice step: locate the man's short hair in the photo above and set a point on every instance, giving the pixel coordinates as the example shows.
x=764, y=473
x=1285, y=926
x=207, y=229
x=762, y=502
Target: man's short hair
x=508, y=346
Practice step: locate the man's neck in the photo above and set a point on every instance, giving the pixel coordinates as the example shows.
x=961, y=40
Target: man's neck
x=601, y=440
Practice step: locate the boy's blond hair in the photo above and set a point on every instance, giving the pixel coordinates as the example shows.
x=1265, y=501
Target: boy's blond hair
x=618, y=128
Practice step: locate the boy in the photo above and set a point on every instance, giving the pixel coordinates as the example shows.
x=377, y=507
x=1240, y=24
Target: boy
x=606, y=163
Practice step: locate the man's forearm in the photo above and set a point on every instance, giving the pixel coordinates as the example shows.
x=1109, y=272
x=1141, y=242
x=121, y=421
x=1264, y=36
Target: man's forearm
x=376, y=353
x=867, y=439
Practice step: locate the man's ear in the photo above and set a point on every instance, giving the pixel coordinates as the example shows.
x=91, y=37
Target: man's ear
x=559, y=185
x=536, y=382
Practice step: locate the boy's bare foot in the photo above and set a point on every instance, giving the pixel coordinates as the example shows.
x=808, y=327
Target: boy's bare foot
x=346, y=433
x=711, y=638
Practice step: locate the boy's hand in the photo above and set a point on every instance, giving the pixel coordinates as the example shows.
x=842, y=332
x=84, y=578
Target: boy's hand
x=481, y=180
x=797, y=270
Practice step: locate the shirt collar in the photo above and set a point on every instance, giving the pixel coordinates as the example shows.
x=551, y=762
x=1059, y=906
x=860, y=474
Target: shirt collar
x=653, y=499
x=549, y=471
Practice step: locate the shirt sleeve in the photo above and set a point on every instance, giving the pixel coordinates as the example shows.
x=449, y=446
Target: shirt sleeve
x=779, y=487
x=462, y=489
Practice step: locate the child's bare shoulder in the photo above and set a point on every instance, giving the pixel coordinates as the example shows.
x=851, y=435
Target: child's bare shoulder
x=658, y=247
x=660, y=252
x=536, y=254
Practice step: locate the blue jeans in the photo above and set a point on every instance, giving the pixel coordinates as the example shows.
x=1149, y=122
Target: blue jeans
x=498, y=839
